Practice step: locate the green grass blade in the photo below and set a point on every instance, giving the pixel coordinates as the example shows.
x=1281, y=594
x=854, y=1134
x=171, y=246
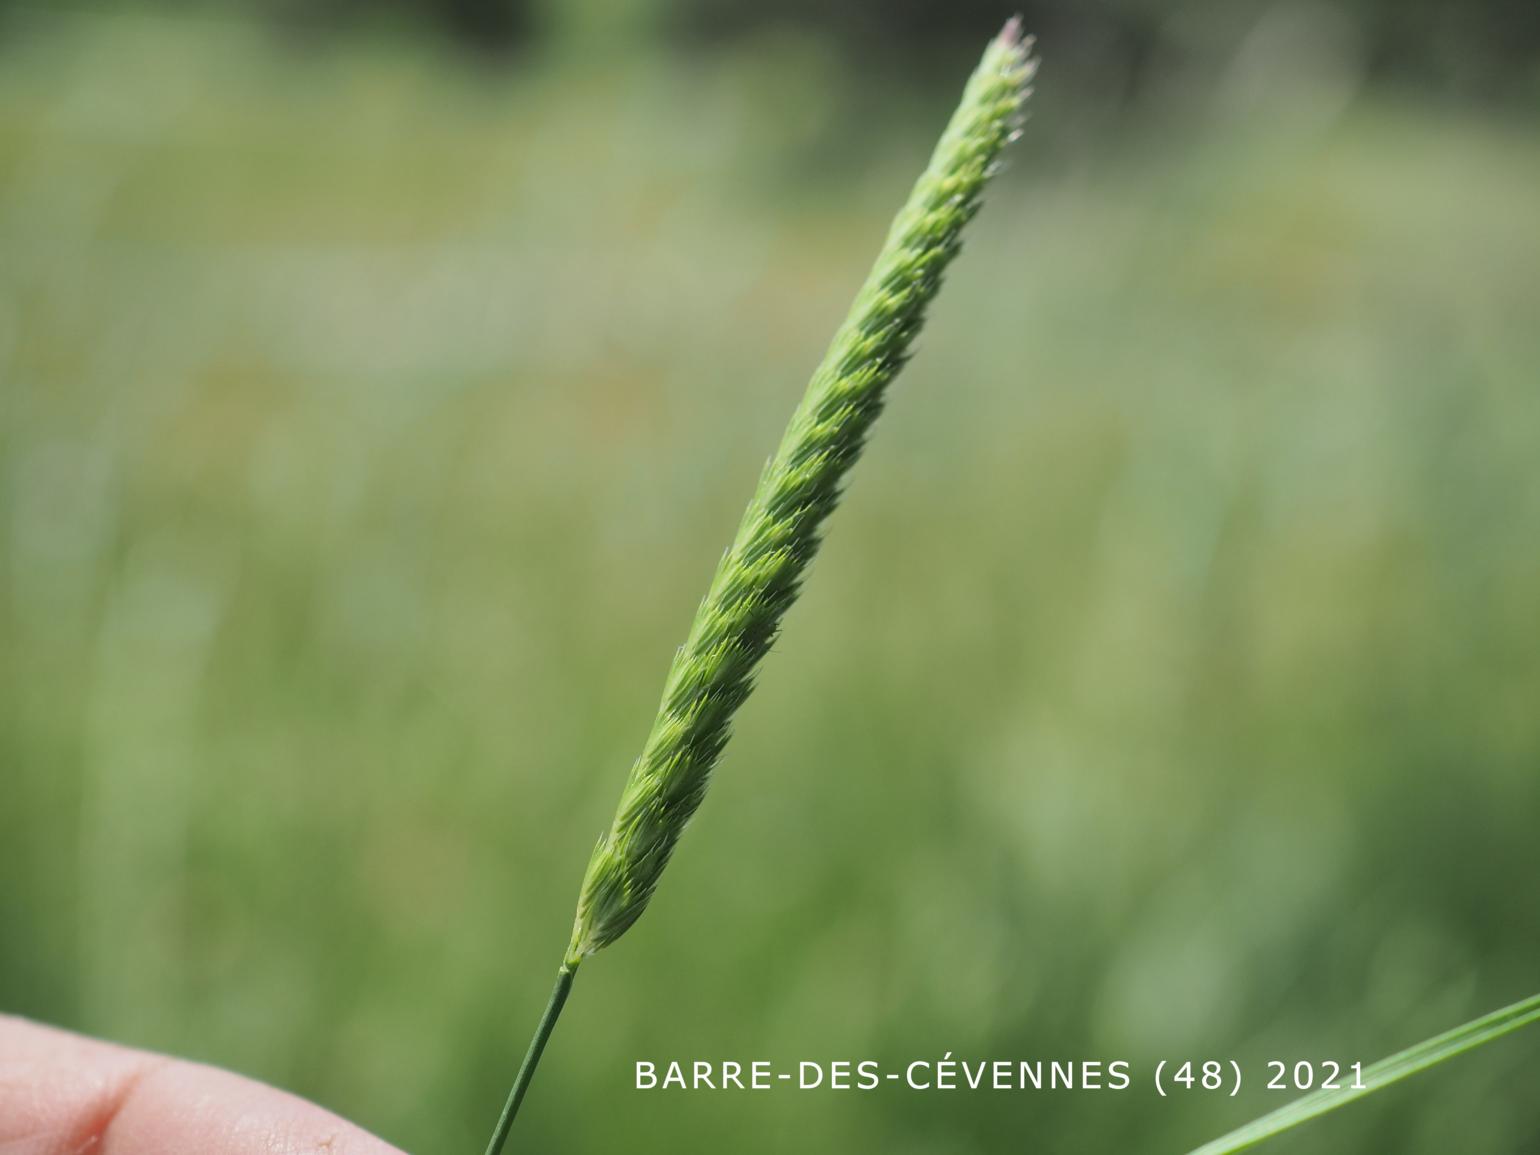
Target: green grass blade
x=1428, y=1053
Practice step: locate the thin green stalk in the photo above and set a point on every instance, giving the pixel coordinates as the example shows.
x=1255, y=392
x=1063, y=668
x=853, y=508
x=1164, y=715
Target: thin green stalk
x=1401, y=1065
x=521, y=1081
x=761, y=573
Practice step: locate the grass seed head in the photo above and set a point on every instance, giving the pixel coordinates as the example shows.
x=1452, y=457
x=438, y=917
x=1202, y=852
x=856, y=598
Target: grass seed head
x=760, y=574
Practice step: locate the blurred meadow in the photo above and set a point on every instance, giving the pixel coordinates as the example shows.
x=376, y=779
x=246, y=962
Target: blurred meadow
x=375, y=401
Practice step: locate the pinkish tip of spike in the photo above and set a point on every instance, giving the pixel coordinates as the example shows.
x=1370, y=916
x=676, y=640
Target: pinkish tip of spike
x=1010, y=35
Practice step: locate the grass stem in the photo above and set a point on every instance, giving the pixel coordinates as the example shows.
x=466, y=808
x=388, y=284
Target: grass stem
x=526, y=1073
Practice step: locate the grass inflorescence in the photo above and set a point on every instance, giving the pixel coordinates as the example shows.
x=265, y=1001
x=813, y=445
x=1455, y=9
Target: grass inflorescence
x=760, y=574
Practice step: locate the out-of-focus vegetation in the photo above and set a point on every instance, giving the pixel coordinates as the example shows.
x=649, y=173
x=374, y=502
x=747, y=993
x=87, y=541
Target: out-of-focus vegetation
x=1475, y=47
x=371, y=417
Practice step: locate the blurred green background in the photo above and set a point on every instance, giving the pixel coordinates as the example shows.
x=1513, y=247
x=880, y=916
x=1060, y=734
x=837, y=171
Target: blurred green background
x=380, y=384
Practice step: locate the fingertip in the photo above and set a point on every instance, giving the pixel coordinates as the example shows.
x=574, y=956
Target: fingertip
x=61, y=1092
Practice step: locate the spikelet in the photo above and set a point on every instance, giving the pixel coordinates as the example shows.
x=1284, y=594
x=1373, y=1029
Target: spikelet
x=760, y=575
